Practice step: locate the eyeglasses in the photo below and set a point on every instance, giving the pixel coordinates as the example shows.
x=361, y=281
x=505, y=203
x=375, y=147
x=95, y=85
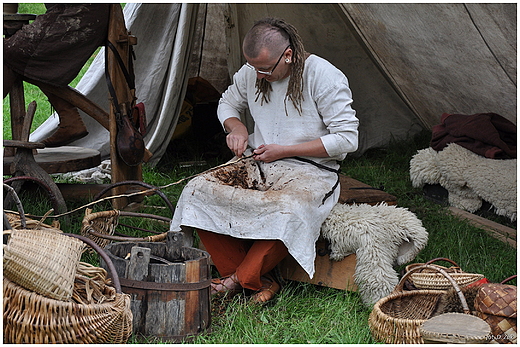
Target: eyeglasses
x=267, y=73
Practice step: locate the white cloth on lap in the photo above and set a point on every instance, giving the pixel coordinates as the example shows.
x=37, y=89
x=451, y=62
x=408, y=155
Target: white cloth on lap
x=287, y=205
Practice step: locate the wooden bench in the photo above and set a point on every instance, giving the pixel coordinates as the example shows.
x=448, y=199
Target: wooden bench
x=331, y=273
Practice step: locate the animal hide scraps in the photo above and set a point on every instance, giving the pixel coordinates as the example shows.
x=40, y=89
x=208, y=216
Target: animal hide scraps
x=381, y=236
x=450, y=301
x=487, y=134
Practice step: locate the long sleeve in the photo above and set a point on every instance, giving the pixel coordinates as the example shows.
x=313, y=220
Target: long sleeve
x=234, y=100
x=330, y=91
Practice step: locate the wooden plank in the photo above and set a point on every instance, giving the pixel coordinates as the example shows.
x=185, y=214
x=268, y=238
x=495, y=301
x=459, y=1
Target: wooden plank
x=329, y=273
x=192, y=318
x=138, y=264
x=498, y=231
x=17, y=104
x=356, y=192
x=61, y=159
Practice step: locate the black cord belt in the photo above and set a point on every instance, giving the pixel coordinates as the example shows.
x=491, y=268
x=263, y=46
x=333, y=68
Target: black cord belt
x=324, y=167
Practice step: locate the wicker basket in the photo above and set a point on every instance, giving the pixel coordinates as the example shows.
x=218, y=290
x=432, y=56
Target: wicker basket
x=430, y=279
x=43, y=261
x=496, y=303
x=100, y=227
x=16, y=222
x=99, y=313
x=398, y=317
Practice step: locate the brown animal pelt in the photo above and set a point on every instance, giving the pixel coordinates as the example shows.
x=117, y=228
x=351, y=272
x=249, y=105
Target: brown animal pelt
x=450, y=301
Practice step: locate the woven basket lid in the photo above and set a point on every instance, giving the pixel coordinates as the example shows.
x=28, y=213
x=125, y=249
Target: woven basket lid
x=455, y=328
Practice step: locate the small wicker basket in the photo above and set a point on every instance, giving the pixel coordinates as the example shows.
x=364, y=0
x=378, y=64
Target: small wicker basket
x=100, y=227
x=398, y=317
x=430, y=279
x=43, y=261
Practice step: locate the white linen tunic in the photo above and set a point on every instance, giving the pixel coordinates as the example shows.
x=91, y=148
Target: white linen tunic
x=287, y=203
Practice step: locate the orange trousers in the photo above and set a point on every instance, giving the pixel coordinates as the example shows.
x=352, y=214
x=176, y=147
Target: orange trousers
x=249, y=259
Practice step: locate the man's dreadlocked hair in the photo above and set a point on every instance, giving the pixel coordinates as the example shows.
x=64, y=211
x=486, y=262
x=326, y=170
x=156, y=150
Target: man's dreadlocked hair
x=258, y=36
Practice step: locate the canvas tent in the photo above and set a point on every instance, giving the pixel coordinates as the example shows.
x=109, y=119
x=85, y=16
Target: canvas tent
x=406, y=63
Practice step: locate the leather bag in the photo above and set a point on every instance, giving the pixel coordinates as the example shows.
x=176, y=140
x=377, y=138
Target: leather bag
x=129, y=139
x=129, y=142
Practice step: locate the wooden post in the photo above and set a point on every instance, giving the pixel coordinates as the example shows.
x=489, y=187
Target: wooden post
x=17, y=105
x=120, y=37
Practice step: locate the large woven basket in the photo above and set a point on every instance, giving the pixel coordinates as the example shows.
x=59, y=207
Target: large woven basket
x=96, y=313
x=43, y=261
x=398, y=317
x=431, y=279
x=100, y=227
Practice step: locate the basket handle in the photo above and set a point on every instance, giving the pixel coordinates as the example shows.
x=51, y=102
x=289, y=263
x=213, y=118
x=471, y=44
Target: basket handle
x=106, y=258
x=445, y=259
x=508, y=279
x=87, y=227
x=399, y=287
x=19, y=205
x=153, y=238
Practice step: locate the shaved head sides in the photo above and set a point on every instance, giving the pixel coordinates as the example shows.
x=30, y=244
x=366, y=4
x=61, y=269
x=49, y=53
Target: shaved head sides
x=265, y=35
x=274, y=34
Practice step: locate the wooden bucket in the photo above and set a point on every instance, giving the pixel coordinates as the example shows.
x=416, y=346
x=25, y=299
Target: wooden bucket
x=168, y=285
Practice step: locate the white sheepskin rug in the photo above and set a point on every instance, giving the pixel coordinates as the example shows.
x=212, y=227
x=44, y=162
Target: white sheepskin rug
x=468, y=177
x=381, y=236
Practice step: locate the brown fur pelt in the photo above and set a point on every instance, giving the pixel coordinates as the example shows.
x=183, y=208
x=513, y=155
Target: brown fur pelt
x=450, y=301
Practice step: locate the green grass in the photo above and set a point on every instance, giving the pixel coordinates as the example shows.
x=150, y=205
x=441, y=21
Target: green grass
x=301, y=314
x=304, y=313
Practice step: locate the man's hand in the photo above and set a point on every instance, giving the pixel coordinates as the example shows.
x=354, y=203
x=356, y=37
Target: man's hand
x=237, y=137
x=272, y=152
x=269, y=153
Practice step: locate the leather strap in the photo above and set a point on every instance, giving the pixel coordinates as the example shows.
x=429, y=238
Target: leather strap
x=129, y=79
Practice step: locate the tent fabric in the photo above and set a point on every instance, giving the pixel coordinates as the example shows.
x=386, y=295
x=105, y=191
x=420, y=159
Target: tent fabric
x=407, y=64
x=444, y=58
